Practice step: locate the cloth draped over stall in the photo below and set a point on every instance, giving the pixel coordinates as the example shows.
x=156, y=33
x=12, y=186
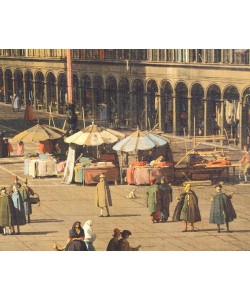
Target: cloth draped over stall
x=69, y=168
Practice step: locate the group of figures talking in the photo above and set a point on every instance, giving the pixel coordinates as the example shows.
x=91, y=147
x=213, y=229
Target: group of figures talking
x=82, y=238
x=159, y=197
x=15, y=207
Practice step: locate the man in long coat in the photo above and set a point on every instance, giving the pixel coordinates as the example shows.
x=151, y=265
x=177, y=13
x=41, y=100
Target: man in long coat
x=165, y=198
x=222, y=210
x=6, y=211
x=103, y=195
x=152, y=201
x=187, y=208
x=3, y=147
x=25, y=192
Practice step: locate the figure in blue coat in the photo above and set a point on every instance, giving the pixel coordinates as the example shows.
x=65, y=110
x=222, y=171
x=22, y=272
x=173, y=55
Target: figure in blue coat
x=222, y=210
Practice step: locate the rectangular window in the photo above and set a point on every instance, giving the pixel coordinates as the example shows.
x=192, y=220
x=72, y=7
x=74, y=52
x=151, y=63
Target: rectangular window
x=217, y=55
x=142, y=54
x=177, y=55
x=226, y=56
x=126, y=54
x=209, y=55
x=241, y=56
x=200, y=57
x=162, y=54
x=154, y=54
x=133, y=54
x=109, y=54
x=169, y=56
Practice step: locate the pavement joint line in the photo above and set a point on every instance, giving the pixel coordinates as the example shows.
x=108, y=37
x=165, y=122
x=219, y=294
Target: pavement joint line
x=1, y=167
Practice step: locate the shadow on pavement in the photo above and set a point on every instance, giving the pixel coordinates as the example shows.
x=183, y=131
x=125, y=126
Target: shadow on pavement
x=240, y=230
x=118, y=216
x=210, y=229
x=37, y=233
x=11, y=162
x=46, y=221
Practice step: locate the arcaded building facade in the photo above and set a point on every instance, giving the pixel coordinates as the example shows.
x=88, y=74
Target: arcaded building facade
x=179, y=91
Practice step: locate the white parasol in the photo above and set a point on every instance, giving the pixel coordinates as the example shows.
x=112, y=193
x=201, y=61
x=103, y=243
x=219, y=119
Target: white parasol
x=94, y=135
x=139, y=140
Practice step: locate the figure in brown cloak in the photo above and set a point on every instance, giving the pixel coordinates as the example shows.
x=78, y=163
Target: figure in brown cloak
x=187, y=208
x=103, y=195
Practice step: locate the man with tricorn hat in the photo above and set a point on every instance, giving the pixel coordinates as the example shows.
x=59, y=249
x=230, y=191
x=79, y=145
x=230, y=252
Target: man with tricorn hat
x=123, y=244
x=103, y=195
x=222, y=210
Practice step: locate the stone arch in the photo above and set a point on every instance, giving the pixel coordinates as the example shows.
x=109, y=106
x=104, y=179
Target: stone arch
x=213, y=113
x=111, y=98
x=231, y=93
x=39, y=87
x=245, y=116
x=29, y=89
x=231, y=98
x=138, y=103
x=197, y=108
x=51, y=88
x=167, y=105
x=1, y=86
x=62, y=90
x=8, y=85
x=86, y=96
x=18, y=84
x=181, y=92
x=152, y=111
x=98, y=104
x=76, y=98
x=124, y=104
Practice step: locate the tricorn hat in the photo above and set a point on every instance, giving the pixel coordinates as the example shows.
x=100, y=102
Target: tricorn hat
x=218, y=185
x=126, y=232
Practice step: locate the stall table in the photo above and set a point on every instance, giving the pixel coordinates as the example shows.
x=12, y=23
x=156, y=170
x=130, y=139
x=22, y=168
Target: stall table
x=142, y=175
x=40, y=168
x=92, y=175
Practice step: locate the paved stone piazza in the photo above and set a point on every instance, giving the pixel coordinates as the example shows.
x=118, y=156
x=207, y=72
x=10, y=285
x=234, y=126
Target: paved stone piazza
x=62, y=205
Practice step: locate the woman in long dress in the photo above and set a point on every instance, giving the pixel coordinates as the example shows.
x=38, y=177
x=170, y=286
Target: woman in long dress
x=76, y=238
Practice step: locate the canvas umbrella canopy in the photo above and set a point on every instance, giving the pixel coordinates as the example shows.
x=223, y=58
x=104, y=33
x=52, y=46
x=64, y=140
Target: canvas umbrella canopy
x=94, y=135
x=37, y=133
x=139, y=140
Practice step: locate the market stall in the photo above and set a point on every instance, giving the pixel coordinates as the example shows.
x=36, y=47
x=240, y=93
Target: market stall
x=141, y=175
x=203, y=167
x=85, y=170
x=42, y=165
x=140, y=172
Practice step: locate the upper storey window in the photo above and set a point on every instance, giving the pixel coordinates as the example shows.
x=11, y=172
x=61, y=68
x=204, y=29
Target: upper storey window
x=241, y=56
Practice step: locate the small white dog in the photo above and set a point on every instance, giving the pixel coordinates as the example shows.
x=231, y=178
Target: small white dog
x=132, y=195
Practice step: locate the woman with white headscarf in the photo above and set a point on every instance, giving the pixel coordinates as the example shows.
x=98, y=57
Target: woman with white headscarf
x=90, y=236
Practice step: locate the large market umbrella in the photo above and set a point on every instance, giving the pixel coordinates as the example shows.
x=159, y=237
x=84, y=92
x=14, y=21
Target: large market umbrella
x=94, y=135
x=140, y=140
x=37, y=133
